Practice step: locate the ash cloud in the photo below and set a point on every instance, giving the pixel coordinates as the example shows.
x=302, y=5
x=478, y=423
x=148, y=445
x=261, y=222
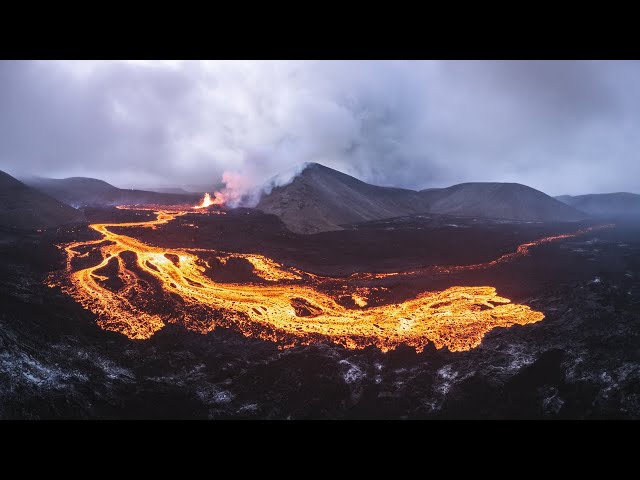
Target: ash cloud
x=559, y=126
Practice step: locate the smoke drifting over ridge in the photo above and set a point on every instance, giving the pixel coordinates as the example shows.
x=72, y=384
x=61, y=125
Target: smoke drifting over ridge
x=561, y=127
x=246, y=189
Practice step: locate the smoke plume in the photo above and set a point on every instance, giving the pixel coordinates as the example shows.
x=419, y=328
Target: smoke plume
x=562, y=127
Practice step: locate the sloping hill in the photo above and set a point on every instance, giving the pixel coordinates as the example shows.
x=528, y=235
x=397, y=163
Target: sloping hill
x=509, y=201
x=605, y=204
x=321, y=199
x=82, y=191
x=178, y=190
x=25, y=208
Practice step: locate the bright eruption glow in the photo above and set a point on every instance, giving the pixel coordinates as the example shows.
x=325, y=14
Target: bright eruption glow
x=207, y=201
x=136, y=289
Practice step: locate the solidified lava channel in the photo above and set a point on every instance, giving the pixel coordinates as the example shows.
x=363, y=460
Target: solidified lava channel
x=137, y=288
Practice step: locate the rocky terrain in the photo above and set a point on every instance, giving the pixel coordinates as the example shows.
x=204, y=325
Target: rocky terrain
x=581, y=361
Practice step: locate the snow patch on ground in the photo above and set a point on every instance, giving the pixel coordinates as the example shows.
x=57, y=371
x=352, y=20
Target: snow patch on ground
x=572, y=370
x=111, y=370
x=22, y=367
x=447, y=378
x=248, y=408
x=211, y=394
x=610, y=380
x=353, y=373
x=519, y=358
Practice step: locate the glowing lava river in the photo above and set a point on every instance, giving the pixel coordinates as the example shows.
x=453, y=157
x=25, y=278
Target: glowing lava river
x=136, y=289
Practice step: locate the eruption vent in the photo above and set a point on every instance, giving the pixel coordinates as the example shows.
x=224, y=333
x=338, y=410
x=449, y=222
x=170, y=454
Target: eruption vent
x=207, y=201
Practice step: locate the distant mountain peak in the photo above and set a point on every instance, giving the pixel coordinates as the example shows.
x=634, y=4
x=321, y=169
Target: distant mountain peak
x=25, y=208
x=617, y=204
x=318, y=198
x=83, y=191
x=312, y=165
x=311, y=168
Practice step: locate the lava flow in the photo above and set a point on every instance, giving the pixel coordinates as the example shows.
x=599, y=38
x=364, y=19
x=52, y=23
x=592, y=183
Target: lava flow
x=136, y=289
x=521, y=251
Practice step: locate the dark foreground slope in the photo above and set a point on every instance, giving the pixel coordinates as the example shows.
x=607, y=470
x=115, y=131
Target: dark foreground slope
x=621, y=204
x=24, y=208
x=81, y=191
x=321, y=199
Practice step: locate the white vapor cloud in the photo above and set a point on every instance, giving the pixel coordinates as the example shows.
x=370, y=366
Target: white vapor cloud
x=562, y=127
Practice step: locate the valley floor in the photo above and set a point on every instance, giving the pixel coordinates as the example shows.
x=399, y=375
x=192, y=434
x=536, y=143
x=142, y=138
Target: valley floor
x=581, y=361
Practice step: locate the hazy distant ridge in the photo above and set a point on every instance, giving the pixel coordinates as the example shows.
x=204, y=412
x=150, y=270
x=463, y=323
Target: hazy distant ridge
x=605, y=204
x=510, y=201
x=25, y=208
x=81, y=191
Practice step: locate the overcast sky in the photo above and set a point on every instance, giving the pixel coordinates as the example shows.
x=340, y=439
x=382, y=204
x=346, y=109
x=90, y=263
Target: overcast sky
x=559, y=126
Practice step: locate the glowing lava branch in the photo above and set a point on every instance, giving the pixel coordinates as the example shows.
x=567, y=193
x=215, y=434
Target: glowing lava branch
x=136, y=289
x=521, y=251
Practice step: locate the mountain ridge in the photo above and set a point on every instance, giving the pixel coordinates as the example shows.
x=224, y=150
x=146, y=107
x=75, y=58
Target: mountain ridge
x=322, y=199
x=87, y=191
x=315, y=200
x=605, y=204
x=25, y=208
x=500, y=200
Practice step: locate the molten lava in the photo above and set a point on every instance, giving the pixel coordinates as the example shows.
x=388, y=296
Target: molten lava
x=136, y=289
x=207, y=201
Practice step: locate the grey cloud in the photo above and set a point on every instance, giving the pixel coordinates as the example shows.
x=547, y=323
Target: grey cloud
x=562, y=127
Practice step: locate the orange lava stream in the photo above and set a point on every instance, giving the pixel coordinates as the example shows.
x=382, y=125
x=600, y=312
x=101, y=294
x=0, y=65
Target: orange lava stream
x=521, y=251
x=136, y=289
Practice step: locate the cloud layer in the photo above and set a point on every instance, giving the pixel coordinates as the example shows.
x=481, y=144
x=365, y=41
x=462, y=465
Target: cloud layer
x=561, y=127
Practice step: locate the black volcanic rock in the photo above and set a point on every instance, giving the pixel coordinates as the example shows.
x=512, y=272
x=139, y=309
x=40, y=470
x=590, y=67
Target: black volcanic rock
x=81, y=191
x=580, y=362
x=509, y=201
x=605, y=204
x=24, y=208
x=321, y=199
